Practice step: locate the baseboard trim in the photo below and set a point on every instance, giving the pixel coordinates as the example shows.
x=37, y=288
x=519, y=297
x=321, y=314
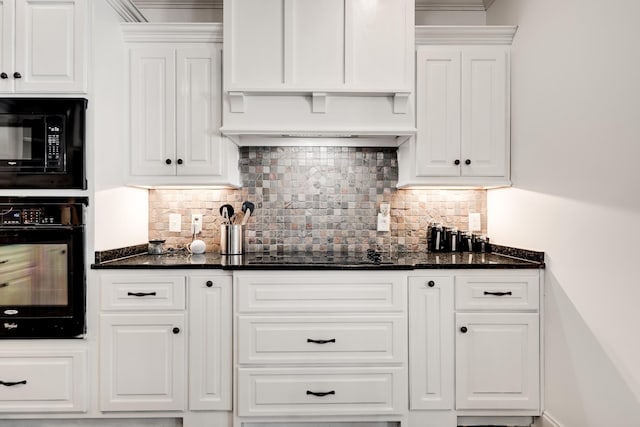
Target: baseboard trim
x=548, y=420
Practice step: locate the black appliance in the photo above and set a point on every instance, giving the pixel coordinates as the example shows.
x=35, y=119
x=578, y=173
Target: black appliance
x=42, y=267
x=42, y=143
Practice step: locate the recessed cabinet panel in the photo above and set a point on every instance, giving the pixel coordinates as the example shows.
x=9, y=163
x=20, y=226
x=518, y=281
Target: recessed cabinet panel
x=497, y=361
x=317, y=50
x=485, y=111
x=256, y=42
x=322, y=391
x=431, y=350
x=198, y=137
x=153, y=111
x=142, y=362
x=50, y=43
x=377, y=43
x=43, y=381
x=210, y=369
x=438, y=109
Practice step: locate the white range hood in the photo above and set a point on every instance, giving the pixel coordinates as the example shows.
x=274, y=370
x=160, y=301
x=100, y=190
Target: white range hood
x=313, y=72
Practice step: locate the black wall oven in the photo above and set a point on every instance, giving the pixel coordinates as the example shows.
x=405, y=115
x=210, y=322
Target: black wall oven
x=42, y=143
x=42, y=268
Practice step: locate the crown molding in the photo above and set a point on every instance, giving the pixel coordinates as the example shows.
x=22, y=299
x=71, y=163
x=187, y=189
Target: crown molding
x=471, y=5
x=170, y=32
x=179, y=4
x=478, y=35
x=127, y=10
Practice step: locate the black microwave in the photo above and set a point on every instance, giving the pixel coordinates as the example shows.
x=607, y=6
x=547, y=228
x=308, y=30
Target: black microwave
x=42, y=143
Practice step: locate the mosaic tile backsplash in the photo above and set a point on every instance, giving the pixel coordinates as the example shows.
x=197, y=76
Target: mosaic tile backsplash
x=317, y=199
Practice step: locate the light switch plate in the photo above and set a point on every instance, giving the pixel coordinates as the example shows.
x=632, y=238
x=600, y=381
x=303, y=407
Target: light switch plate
x=474, y=222
x=175, y=223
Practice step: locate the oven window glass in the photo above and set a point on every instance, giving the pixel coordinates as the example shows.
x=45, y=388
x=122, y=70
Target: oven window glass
x=34, y=275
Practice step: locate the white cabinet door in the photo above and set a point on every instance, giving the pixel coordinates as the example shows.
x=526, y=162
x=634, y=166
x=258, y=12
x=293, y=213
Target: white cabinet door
x=153, y=111
x=199, y=115
x=7, y=24
x=50, y=44
x=485, y=111
x=431, y=350
x=210, y=343
x=438, y=112
x=497, y=361
x=142, y=362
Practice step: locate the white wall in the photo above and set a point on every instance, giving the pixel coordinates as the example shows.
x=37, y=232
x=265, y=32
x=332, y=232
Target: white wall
x=576, y=196
x=121, y=213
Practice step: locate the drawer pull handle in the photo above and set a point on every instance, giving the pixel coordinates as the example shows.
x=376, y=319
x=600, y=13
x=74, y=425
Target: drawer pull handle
x=141, y=294
x=321, y=341
x=9, y=384
x=320, y=393
x=498, y=294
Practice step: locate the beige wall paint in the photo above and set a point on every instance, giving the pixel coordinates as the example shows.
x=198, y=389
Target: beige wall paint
x=576, y=196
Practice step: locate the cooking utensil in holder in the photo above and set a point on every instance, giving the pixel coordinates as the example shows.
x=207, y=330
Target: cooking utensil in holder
x=231, y=239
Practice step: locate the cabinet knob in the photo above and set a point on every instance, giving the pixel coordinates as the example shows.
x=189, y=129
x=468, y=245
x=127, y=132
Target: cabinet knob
x=456, y=162
x=17, y=75
x=168, y=161
x=431, y=283
x=467, y=162
x=4, y=75
x=176, y=330
x=180, y=161
x=463, y=329
x=209, y=283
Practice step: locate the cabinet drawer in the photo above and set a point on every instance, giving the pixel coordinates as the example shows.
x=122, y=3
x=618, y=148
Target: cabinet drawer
x=327, y=339
x=329, y=292
x=497, y=292
x=322, y=391
x=43, y=381
x=142, y=293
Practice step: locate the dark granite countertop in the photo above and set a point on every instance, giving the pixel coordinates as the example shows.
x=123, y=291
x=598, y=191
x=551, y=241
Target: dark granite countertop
x=501, y=258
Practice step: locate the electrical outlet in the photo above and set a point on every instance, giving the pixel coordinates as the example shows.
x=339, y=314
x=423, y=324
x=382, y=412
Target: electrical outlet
x=474, y=222
x=384, y=217
x=196, y=223
x=175, y=223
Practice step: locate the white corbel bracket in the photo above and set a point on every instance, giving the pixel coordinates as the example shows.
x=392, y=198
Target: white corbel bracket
x=236, y=102
x=401, y=102
x=319, y=102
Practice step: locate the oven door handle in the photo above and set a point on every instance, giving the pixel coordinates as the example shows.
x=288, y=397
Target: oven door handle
x=141, y=294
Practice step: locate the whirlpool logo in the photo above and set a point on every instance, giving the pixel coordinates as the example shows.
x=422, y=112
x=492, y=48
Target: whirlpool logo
x=10, y=326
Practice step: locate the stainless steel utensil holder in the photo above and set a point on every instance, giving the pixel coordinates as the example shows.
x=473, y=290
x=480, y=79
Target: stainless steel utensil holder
x=231, y=239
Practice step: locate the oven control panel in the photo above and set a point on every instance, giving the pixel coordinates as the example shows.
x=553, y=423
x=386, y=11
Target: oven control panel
x=29, y=216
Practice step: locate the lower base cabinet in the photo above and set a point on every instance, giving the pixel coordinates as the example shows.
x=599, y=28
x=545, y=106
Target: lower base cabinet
x=497, y=361
x=47, y=380
x=142, y=362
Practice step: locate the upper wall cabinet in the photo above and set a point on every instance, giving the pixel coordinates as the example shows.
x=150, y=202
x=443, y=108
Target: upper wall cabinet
x=175, y=102
x=319, y=67
x=462, y=109
x=43, y=46
x=310, y=45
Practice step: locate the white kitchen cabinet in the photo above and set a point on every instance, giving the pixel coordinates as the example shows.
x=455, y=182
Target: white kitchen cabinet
x=320, y=346
x=142, y=362
x=210, y=342
x=497, y=361
x=462, y=111
x=43, y=46
x=142, y=343
x=307, y=45
x=175, y=107
x=431, y=350
x=498, y=342
x=51, y=379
